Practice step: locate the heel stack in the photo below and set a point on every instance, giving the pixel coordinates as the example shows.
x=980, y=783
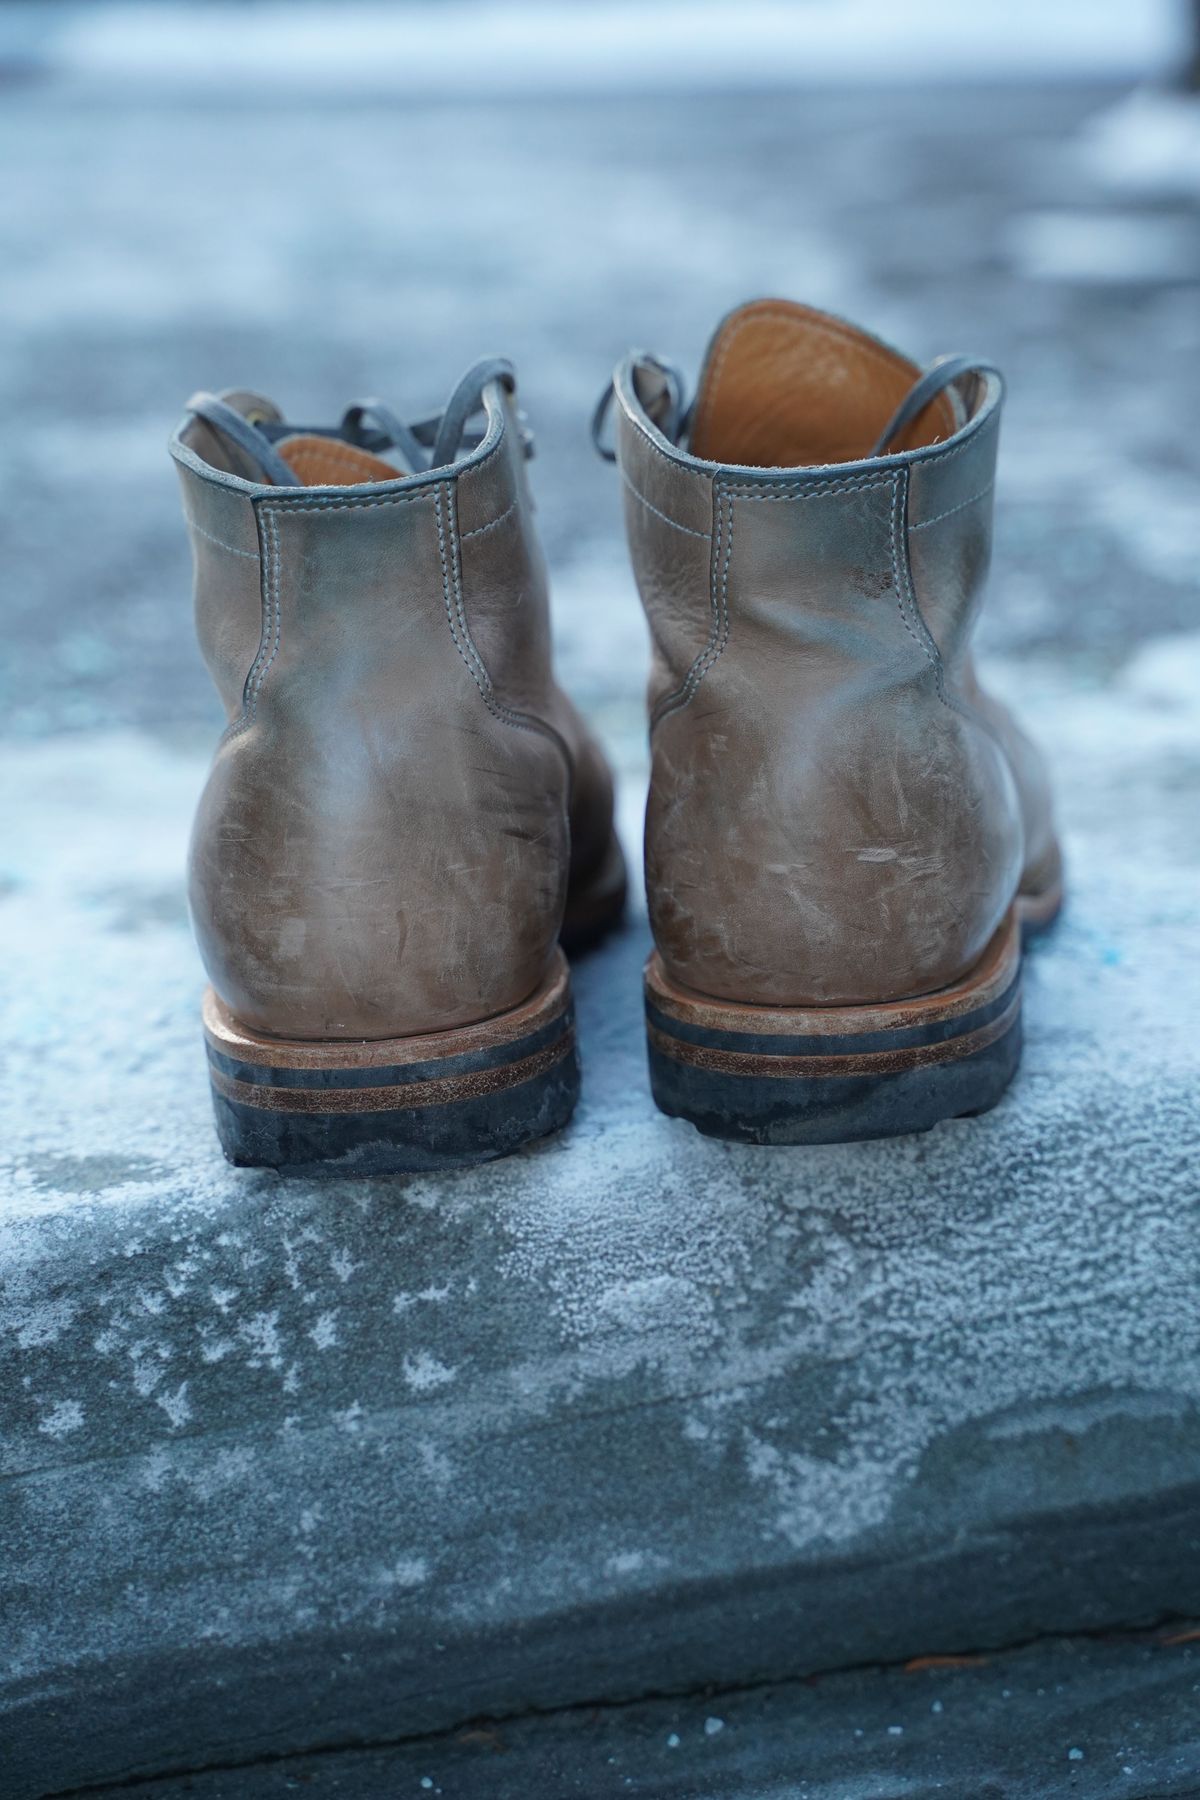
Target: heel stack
x=827, y=1075
x=440, y=1100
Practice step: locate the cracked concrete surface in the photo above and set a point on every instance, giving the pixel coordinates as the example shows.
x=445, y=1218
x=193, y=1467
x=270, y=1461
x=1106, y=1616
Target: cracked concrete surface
x=632, y=1411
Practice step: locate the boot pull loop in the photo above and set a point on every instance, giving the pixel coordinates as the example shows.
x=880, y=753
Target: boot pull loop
x=230, y=424
x=437, y=440
x=662, y=391
x=599, y=415
x=937, y=377
x=465, y=402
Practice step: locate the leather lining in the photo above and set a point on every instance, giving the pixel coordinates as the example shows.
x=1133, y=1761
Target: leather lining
x=787, y=387
x=327, y=462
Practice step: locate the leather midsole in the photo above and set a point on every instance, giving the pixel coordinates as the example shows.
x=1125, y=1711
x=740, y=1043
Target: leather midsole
x=428, y=1091
x=226, y=1035
x=956, y=1006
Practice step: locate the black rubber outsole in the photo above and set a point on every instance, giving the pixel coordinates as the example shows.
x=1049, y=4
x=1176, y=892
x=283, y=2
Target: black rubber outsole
x=759, y=1075
x=443, y=1100
x=834, y=1110
x=416, y=1140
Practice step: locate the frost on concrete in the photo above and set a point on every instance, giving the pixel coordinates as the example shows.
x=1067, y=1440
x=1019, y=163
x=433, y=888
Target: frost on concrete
x=628, y=1361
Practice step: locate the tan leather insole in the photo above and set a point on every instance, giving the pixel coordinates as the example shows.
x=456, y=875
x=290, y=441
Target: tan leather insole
x=784, y=386
x=328, y=462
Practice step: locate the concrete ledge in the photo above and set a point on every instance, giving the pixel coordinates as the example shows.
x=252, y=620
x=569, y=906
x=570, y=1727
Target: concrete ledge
x=1071, y=1716
x=629, y=1413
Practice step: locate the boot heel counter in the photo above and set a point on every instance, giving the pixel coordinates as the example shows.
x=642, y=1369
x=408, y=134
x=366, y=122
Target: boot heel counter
x=324, y=915
x=869, y=861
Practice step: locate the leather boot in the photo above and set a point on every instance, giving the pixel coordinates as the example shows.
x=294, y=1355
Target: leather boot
x=845, y=837
x=405, y=812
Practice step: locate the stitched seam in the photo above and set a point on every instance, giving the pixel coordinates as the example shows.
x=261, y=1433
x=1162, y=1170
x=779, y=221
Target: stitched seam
x=437, y=502
x=456, y=573
x=923, y=524
x=478, y=530
x=902, y=571
x=452, y=577
x=271, y=626
x=918, y=460
x=250, y=555
x=718, y=634
x=679, y=467
x=322, y=505
x=319, y=504
x=903, y=568
x=816, y=489
x=273, y=528
x=823, y=327
x=650, y=507
x=914, y=624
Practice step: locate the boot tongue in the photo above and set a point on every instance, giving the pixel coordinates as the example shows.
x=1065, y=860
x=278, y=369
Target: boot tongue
x=785, y=386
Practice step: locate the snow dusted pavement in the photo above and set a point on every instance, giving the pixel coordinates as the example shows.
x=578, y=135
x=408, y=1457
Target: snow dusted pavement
x=290, y=1469
x=631, y=1412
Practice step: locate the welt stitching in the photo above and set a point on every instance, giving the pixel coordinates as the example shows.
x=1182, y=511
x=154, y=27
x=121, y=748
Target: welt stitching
x=950, y=511
x=250, y=555
x=478, y=530
x=665, y=517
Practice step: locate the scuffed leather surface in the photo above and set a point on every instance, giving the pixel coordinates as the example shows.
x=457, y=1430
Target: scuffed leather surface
x=383, y=844
x=835, y=816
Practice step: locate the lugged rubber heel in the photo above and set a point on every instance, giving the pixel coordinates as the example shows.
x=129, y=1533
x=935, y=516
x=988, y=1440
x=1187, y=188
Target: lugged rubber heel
x=440, y=1100
x=829, y=1075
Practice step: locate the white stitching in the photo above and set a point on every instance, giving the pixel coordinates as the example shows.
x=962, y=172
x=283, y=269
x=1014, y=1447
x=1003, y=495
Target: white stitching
x=478, y=530
x=913, y=626
x=718, y=632
x=650, y=507
x=951, y=510
x=814, y=489
x=276, y=607
x=272, y=622
x=322, y=505
x=483, y=681
x=468, y=640
x=250, y=555
x=318, y=503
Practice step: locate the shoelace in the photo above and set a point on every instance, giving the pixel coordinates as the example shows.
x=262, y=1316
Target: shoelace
x=423, y=444
x=675, y=414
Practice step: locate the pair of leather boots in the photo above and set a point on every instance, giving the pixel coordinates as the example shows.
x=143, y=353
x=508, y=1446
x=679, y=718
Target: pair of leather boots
x=407, y=823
